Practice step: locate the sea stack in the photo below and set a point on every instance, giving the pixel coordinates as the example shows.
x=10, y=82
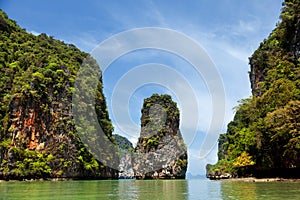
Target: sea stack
x=160, y=152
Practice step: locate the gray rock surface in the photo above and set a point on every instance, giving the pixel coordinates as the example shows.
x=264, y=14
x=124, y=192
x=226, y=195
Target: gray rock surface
x=160, y=152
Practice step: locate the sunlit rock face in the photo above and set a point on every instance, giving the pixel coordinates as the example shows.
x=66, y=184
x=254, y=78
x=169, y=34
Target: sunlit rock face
x=160, y=152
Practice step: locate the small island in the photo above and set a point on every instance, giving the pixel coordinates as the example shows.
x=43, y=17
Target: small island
x=160, y=152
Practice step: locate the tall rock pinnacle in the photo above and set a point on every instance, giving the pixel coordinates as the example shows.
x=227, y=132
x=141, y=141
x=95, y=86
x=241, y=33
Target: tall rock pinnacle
x=160, y=151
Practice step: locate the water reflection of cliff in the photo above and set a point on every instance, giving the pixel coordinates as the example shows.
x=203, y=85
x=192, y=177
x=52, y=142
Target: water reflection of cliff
x=260, y=190
x=159, y=189
x=238, y=190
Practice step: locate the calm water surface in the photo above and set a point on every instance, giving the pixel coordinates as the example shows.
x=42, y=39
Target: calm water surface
x=149, y=190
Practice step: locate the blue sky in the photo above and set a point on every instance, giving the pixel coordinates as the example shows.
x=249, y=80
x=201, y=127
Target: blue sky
x=228, y=30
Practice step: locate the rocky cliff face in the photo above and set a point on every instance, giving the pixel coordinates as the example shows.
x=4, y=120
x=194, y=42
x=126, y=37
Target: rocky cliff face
x=283, y=44
x=126, y=154
x=38, y=138
x=263, y=138
x=160, y=151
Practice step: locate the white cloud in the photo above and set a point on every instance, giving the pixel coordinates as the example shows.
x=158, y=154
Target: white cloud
x=243, y=28
x=34, y=32
x=84, y=41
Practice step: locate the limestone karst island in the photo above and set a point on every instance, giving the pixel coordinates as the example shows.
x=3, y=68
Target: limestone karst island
x=263, y=140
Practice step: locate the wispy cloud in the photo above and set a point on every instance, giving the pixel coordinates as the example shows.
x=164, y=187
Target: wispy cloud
x=243, y=28
x=34, y=32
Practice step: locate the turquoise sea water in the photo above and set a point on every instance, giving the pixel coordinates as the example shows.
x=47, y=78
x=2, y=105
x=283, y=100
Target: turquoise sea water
x=149, y=190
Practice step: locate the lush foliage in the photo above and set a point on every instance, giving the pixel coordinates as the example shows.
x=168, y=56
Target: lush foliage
x=123, y=143
x=159, y=115
x=37, y=130
x=265, y=131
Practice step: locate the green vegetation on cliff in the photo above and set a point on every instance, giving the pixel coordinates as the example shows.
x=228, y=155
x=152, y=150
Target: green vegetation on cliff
x=38, y=138
x=160, y=150
x=123, y=143
x=265, y=132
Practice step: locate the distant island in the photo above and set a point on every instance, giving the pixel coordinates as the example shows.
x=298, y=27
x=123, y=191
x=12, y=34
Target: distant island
x=263, y=140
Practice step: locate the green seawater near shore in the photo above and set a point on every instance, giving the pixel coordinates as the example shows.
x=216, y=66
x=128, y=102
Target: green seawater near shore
x=152, y=189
